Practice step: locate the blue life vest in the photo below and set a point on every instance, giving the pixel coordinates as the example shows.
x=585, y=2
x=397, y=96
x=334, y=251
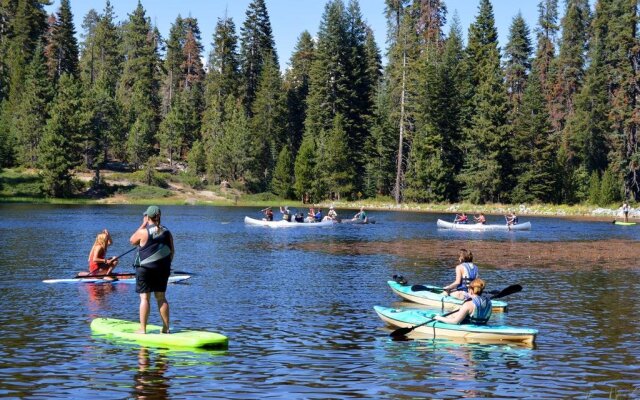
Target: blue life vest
x=156, y=251
x=482, y=311
x=470, y=273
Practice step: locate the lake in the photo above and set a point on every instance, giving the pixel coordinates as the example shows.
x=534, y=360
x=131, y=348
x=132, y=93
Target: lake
x=297, y=306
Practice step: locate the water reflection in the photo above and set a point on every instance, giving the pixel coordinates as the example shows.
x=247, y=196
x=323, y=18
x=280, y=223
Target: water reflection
x=150, y=381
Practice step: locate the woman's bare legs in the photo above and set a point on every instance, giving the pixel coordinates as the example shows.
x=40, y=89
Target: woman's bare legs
x=144, y=312
x=163, y=307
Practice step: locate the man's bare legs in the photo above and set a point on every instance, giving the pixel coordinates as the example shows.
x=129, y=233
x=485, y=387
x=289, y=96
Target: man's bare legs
x=144, y=312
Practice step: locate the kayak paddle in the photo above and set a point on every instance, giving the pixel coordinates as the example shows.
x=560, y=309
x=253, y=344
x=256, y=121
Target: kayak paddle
x=401, y=332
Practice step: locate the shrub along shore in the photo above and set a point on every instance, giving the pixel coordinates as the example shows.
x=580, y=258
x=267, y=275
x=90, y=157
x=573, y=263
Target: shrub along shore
x=23, y=186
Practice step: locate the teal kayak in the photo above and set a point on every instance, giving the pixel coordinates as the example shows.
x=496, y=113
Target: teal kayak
x=407, y=318
x=125, y=330
x=431, y=296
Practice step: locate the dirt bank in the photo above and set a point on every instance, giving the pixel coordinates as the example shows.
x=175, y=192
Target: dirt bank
x=609, y=254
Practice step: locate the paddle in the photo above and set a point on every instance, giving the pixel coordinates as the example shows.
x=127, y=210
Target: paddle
x=435, y=289
x=401, y=332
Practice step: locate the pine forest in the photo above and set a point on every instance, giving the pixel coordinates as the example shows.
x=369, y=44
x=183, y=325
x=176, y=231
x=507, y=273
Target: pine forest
x=551, y=116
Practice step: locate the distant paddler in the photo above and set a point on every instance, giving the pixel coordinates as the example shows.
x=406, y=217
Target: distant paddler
x=286, y=215
x=360, y=216
x=268, y=214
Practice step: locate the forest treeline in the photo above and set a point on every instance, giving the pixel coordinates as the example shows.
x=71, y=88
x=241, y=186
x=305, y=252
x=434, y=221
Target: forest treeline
x=551, y=117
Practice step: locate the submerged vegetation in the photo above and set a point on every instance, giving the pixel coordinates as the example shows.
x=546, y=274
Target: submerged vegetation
x=547, y=118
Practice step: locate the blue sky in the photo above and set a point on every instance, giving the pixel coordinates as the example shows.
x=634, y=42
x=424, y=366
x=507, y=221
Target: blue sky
x=289, y=18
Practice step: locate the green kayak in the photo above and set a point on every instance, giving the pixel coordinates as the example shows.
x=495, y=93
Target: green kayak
x=120, y=329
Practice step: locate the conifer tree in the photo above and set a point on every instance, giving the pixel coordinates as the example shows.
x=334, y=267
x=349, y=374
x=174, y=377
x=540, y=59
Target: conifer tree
x=336, y=168
x=32, y=112
x=518, y=61
x=59, y=148
x=306, y=188
x=268, y=125
x=571, y=61
x=223, y=76
x=296, y=82
x=138, y=86
x=283, y=178
x=547, y=32
x=256, y=43
x=173, y=61
x=63, y=46
x=486, y=164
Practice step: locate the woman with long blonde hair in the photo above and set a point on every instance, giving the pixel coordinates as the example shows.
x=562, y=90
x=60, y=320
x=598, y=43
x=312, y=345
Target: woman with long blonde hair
x=99, y=264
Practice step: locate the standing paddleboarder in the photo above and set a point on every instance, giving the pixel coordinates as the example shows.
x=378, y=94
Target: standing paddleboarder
x=153, y=266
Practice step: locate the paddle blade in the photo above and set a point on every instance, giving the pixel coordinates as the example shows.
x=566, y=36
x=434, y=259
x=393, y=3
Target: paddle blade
x=507, y=291
x=400, y=333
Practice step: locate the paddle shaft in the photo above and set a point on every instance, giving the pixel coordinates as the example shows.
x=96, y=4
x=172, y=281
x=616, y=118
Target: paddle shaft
x=125, y=253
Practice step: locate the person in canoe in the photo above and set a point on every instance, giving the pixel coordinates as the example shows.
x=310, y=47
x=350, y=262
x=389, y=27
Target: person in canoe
x=311, y=215
x=476, y=310
x=625, y=211
x=512, y=218
x=466, y=271
x=268, y=214
x=318, y=215
x=332, y=214
x=99, y=264
x=480, y=219
x=361, y=215
x=286, y=215
x=461, y=218
x=153, y=266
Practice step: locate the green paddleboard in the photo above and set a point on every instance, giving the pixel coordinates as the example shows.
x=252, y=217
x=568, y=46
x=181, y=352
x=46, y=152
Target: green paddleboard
x=624, y=223
x=120, y=329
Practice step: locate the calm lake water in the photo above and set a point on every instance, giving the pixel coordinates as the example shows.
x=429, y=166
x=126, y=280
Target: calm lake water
x=301, y=323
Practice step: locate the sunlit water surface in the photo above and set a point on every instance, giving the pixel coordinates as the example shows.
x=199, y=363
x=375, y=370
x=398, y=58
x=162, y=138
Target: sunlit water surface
x=301, y=323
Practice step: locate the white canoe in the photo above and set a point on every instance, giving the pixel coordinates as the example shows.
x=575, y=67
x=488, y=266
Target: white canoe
x=100, y=280
x=286, y=224
x=525, y=226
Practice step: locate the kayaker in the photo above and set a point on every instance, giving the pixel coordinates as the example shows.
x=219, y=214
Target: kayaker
x=361, y=215
x=512, y=218
x=153, y=265
x=268, y=214
x=461, y=219
x=466, y=271
x=99, y=264
x=475, y=310
x=480, y=219
x=625, y=211
x=286, y=215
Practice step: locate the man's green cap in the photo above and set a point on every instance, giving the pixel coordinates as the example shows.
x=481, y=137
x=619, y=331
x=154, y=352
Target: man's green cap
x=152, y=211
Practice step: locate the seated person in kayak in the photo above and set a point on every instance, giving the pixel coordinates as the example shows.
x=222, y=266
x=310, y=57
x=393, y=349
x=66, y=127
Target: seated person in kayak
x=475, y=310
x=461, y=219
x=99, y=264
x=268, y=214
x=466, y=271
x=480, y=219
x=286, y=215
x=361, y=215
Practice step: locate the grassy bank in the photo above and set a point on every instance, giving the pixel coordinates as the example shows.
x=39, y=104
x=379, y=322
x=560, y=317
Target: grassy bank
x=24, y=186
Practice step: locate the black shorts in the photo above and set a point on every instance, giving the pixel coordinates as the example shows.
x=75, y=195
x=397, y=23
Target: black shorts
x=152, y=279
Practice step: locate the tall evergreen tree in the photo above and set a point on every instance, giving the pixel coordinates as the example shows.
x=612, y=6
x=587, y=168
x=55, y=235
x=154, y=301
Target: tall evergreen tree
x=32, y=112
x=571, y=61
x=547, y=32
x=518, y=61
x=296, y=82
x=59, y=148
x=63, y=53
x=138, y=86
x=87, y=46
x=306, y=184
x=283, y=178
x=486, y=164
x=256, y=43
x=268, y=124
